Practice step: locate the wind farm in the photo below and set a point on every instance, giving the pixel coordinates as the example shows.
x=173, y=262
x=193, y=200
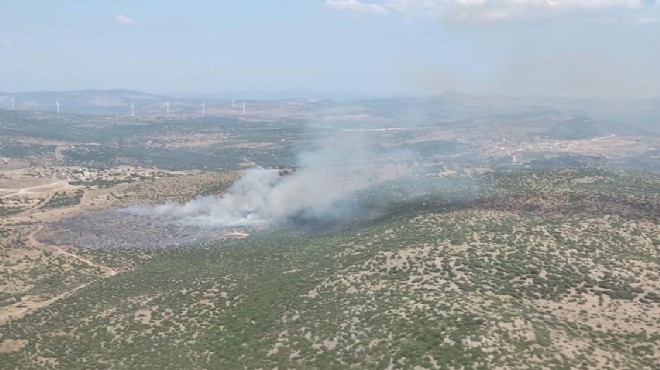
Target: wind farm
x=109, y=103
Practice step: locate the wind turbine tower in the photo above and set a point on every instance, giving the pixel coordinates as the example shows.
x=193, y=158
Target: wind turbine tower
x=167, y=107
x=13, y=102
x=57, y=106
x=243, y=107
x=203, y=107
x=132, y=110
x=233, y=103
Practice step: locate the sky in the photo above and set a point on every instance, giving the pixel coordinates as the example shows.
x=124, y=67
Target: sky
x=579, y=48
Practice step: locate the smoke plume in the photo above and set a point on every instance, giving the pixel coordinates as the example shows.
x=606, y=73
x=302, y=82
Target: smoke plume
x=321, y=188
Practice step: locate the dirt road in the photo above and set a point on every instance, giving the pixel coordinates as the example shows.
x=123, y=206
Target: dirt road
x=31, y=304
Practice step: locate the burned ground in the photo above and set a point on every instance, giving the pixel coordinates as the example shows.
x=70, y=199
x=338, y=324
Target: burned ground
x=470, y=284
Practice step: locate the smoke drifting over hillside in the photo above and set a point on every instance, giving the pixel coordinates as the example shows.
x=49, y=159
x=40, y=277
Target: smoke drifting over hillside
x=322, y=188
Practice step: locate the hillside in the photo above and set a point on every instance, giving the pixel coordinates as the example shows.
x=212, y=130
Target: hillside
x=555, y=269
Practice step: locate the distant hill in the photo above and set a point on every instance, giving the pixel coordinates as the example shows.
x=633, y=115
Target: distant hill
x=83, y=101
x=640, y=116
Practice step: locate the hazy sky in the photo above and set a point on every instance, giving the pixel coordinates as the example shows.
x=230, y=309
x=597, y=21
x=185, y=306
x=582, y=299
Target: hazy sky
x=569, y=48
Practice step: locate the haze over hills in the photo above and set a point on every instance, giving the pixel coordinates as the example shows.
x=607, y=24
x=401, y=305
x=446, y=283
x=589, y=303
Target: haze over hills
x=82, y=101
x=491, y=127
x=638, y=114
x=448, y=232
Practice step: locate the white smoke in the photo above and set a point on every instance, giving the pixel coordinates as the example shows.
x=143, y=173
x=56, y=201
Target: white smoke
x=322, y=188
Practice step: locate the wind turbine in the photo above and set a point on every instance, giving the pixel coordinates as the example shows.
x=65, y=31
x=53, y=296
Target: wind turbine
x=233, y=103
x=167, y=107
x=57, y=106
x=243, y=107
x=132, y=110
x=13, y=101
x=203, y=107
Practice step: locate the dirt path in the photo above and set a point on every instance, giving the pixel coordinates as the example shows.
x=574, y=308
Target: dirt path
x=16, y=312
x=27, y=306
x=31, y=189
x=58, y=249
x=108, y=271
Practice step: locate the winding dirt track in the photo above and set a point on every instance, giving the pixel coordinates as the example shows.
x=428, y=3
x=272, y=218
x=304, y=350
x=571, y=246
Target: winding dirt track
x=34, y=189
x=14, y=312
x=107, y=271
x=26, y=307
